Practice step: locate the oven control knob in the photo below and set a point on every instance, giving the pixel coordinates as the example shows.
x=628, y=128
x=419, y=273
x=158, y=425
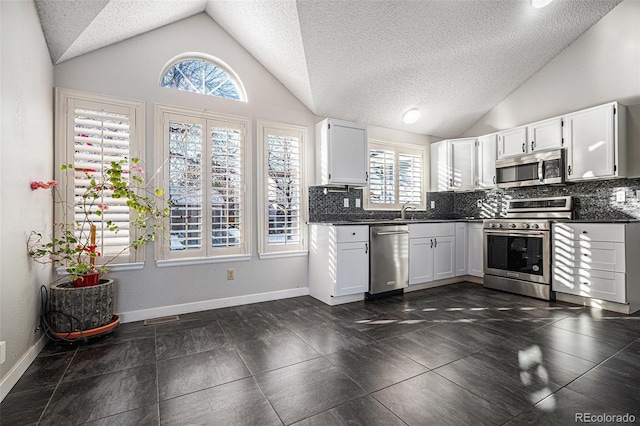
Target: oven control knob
x=535, y=226
x=499, y=225
x=526, y=226
x=512, y=225
x=492, y=225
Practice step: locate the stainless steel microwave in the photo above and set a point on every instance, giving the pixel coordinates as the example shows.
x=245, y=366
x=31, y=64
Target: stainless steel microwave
x=539, y=168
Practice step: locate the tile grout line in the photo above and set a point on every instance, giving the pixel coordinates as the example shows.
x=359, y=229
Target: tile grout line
x=57, y=386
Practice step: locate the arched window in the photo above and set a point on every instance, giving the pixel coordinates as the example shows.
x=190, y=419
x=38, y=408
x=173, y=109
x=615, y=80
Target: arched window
x=202, y=74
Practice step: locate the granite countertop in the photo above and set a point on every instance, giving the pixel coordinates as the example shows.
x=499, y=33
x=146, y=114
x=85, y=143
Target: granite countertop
x=393, y=221
x=626, y=220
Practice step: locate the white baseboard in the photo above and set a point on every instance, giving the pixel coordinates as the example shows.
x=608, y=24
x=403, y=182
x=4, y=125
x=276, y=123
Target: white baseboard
x=205, y=305
x=10, y=380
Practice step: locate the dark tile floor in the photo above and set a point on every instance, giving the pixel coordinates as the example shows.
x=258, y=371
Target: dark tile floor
x=459, y=354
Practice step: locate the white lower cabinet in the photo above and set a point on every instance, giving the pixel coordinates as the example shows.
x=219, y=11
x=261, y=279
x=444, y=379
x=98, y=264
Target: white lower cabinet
x=432, y=253
x=339, y=263
x=475, y=250
x=597, y=261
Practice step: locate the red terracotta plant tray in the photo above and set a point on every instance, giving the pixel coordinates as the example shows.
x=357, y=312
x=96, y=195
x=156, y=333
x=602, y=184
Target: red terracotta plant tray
x=107, y=328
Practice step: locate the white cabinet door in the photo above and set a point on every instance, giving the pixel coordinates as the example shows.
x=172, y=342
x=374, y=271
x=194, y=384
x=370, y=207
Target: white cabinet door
x=440, y=173
x=512, y=142
x=487, y=148
x=443, y=257
x=590, y=140
x=461, y=249
x=475, y=252
x=343, y=157
x=545, y=135
x=462, y=163
x=352, y=269
x=420, y=260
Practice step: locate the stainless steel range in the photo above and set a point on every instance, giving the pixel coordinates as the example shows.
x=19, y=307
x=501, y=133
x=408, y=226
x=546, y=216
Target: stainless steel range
x=517, y=248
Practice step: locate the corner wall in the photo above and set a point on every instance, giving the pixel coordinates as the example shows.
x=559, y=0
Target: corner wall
x=26, y=152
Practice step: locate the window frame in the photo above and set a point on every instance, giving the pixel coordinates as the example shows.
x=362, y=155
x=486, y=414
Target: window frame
x=212, y=60
x=265, y=250
x=65, y=152
x=398, y=148
x=164, y=255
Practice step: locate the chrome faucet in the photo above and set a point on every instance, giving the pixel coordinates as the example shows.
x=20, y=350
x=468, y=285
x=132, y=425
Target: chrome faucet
x=405, y=207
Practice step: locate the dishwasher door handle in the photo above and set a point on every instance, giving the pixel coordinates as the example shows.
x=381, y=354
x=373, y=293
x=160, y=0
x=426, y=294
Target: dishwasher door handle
x=390, y=233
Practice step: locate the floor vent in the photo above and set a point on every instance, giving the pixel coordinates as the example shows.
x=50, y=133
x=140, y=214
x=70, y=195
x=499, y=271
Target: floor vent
x=162, y=320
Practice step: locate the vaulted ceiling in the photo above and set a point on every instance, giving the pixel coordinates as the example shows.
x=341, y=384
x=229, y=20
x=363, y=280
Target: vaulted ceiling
x=360, y=60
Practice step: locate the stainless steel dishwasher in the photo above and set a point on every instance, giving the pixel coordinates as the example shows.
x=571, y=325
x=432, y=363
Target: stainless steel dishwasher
x=388, y=258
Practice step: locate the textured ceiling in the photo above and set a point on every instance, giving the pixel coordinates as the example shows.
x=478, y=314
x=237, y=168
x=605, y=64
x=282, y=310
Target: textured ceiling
x=360, y=60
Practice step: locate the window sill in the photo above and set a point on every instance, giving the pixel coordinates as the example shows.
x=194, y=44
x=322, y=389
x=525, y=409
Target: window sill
x=201, y=260
x=116, y=267
x=297, y=253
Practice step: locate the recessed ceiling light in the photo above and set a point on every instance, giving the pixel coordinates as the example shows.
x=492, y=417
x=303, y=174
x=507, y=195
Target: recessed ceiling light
x=411, y=116
x=540, y=3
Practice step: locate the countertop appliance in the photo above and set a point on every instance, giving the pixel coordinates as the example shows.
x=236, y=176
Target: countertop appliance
x=388, y=258
x=539, y=168
x=517, y=249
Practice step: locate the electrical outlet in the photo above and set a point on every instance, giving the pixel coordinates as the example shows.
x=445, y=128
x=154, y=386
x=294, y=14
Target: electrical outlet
x=346, y=202
x=3, y=352
x=479, y=203
x=358, y=205
x=231, y=274
x=433, y=204
x=620, y=196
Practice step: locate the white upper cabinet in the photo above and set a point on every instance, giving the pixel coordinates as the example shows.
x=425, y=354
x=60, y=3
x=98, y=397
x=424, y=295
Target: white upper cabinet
x=486, y=161
x=545, y=135
x=596, y=142
x=462, y=163
x=512, y=142
x=440, y=171
x=341, y=153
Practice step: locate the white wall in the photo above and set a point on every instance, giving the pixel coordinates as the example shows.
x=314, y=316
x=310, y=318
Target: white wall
x=131, y=69
x=600, y=66
x=26, y=150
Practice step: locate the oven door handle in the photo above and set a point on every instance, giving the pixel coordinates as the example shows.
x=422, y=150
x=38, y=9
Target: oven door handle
x=517, y=234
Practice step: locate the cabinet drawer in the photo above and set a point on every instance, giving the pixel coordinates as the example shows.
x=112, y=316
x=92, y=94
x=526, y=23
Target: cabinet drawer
x=589, y=255
x=603, y=285
x=347, y=234
x=589, y=232
x=423, y=230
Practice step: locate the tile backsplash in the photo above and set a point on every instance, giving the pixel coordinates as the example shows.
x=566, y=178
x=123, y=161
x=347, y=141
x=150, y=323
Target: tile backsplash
x=593, y=200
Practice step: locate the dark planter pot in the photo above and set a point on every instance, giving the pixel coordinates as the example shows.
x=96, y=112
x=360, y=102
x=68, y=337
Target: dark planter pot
x=92, y=306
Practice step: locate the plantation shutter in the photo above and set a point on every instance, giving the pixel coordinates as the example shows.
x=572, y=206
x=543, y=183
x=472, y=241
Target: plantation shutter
x=205, y=182
x=283, y=188
x=101, y=133
x=226, y=186
x=410, y=177
x=186, y=191
x=381, y=176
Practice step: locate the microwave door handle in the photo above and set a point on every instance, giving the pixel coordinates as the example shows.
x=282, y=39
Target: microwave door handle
x=541, y=170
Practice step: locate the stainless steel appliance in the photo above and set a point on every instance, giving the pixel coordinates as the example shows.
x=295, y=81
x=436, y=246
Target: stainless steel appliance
x=517, y=249
x=540, y=168
x=388, y=258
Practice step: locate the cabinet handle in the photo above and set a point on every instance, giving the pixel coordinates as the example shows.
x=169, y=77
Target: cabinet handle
x=532, y=145
x=494, y=180
x=435, y=244
x=431, y=243
x=569, y=170
x=524, y=147
x=366, y=176
x=366, y=248
x=584, y=232
x=353, y=233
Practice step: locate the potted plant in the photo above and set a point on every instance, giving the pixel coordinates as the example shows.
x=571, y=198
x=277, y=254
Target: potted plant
x=83, y=300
